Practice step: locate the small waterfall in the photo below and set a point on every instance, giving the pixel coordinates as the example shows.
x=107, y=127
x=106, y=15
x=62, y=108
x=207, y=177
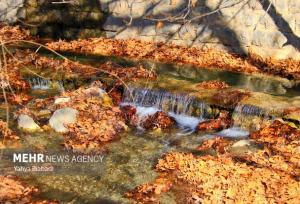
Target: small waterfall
x=250, y=116
x=245, y=109
x=179, y=104
x=246, y=118
x=38, y=83
x=187, y=111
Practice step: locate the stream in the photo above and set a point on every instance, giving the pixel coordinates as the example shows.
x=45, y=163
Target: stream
x=130, y=161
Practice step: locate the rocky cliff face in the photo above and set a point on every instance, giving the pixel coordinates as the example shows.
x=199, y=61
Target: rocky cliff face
x=56, y=18
x=269, y=28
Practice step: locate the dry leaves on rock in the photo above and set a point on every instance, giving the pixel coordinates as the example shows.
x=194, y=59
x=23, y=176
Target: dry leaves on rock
x=148, y=193
x=68, y=68
x=98, y=122
x=219, y=144
x=137, y=49
x=18, y=98
x=128, y=73
x=276, y=133
x=229, y=98
x=281, y=67
x=282, y=148
x=130, y=115
x=12, y=79
x=224, y=121
x=160, y=52
x=6, y=133
x=214, y=84
x=29, y=59
x=221, y=179
x=13, y=190
x=10, y=33
x=269, y=175
x=270, y=158
x=158, y=120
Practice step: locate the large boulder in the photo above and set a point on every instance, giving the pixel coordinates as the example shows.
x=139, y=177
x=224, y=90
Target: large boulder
x=62, y=117
x=26, y=123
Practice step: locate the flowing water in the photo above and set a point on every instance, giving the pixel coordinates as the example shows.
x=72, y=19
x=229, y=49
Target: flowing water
x=129, y=161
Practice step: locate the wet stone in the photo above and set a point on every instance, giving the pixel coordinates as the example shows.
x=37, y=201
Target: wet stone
x=158, y=120
x=224, y=121
x=61, y=100
x=130, y=115
x=26, y=123
x=229, y=98
x=62, y=117
x=242, y=143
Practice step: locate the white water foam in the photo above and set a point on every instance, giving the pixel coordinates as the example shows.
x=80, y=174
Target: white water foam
x=185, y=122
x=43, y=84
x=234, y=132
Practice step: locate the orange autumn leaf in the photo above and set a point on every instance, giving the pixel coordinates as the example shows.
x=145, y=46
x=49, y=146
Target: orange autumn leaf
x=159, y=25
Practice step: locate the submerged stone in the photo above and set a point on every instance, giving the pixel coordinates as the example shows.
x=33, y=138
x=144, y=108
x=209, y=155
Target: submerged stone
x=26, y=123
x=62, y=117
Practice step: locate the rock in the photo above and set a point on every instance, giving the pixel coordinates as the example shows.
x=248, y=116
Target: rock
x=116, y=96
x=95, y=91
x=62, y=117
x=130, y=115
x=224, y=121
x=43, y=113
x=242, y=143
x=276, y=133
x=229, y=98
x=98, y=92
x=292, y=113
x=27, y=123
x=61, y=100
x=219, y=144
x=158, y=120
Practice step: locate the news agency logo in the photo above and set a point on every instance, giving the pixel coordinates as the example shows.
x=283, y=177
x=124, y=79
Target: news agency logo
x=28, y=158
x=45, y=158
x=69, y=163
